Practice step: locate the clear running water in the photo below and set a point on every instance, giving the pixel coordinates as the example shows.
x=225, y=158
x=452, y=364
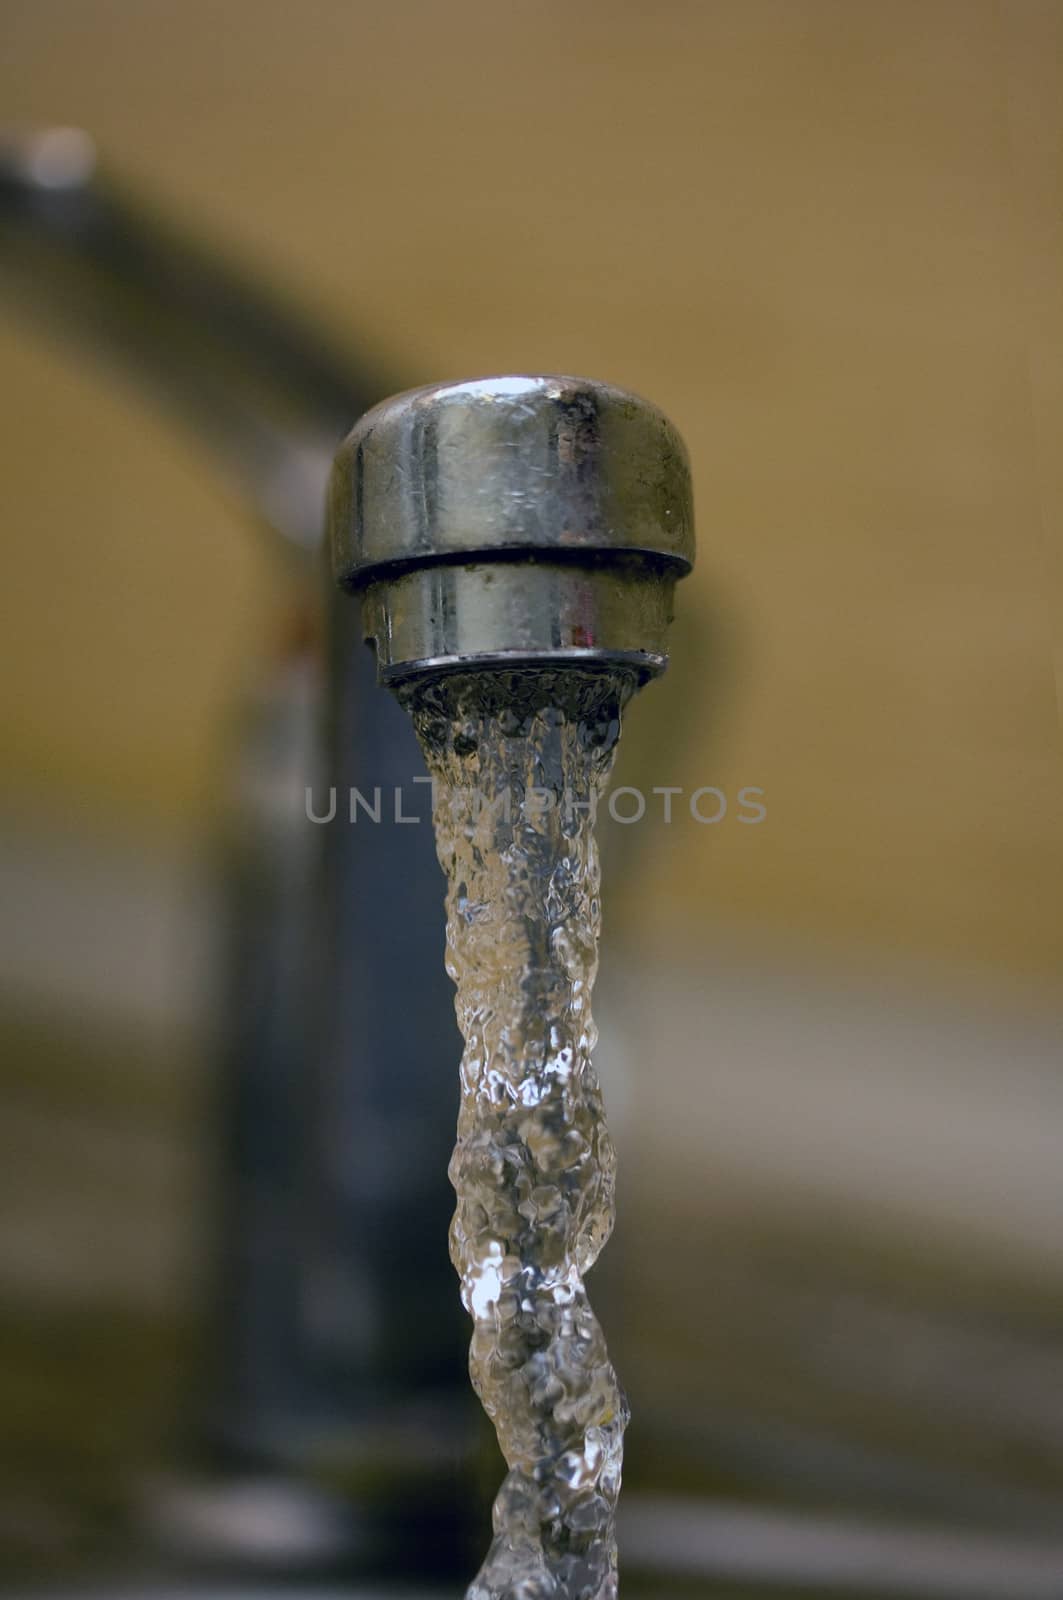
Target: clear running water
x=519, y=761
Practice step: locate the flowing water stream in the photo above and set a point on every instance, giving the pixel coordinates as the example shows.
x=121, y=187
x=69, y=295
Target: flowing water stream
x=519, y=760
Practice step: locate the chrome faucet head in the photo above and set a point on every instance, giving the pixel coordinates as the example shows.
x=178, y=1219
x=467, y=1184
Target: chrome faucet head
x=513, y=521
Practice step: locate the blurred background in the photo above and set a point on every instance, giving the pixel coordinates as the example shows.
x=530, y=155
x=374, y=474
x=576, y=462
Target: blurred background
x=826, y=239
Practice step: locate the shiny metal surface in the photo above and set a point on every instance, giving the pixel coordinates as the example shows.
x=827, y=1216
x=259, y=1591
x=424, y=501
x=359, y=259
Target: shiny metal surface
x=435, y=617
x=513, y=519
x=510, y=463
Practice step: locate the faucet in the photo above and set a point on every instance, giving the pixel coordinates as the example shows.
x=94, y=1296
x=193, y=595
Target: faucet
x=514, y=521
x=320, y=1368
x=511, y=521
x=517, y=542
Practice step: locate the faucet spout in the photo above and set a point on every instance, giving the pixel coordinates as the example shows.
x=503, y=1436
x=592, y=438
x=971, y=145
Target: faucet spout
x=513, y=521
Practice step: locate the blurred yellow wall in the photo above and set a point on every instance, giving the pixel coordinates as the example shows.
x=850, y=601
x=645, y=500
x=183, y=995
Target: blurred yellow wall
x=825, y=237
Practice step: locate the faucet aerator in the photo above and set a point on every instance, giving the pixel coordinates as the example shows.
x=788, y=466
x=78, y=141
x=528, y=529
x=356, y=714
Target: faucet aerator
x=513, y=522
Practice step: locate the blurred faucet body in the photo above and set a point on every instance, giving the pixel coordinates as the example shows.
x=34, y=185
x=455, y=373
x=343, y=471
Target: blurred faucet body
x=320, y=1351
